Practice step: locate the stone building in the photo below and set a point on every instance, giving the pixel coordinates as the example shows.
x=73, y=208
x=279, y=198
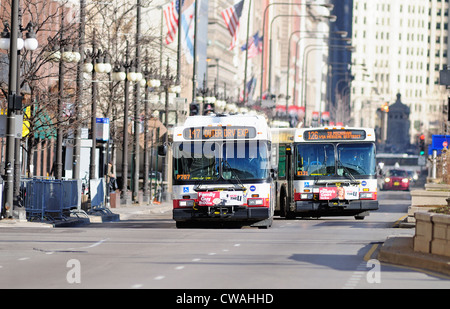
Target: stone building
x=398, y=138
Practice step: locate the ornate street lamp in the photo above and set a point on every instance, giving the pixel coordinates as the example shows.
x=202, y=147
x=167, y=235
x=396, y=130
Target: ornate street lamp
x=96, y=61
x=126, y=71
x=12, y=164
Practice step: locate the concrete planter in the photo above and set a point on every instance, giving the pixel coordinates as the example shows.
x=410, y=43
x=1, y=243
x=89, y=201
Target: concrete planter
x=434, y=195
x=432, y=233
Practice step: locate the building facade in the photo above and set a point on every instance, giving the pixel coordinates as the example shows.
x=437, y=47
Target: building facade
x=399, y=48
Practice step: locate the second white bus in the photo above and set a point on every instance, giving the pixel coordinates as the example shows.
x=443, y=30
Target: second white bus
x=328, y=172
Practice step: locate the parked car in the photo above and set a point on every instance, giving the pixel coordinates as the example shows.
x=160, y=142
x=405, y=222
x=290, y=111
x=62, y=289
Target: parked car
x=396, y=179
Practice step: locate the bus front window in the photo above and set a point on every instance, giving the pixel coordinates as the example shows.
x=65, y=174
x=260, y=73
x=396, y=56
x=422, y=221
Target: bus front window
x=196, y=161
x=358, y=159
x=245, y=160
x=315, y=160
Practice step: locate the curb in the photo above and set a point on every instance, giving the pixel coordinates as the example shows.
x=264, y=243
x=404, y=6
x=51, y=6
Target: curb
x=398, y=250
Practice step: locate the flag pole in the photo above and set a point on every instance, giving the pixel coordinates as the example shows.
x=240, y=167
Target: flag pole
x=180, y=5
x=246, y=51
x=194, y=65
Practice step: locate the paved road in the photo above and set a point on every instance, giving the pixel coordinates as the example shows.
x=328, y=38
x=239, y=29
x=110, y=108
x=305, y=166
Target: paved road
x=149, y=252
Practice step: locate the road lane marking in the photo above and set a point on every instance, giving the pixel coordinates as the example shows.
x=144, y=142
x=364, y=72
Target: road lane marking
x=397, y=223
x=159, y=278
x=368, y=255
x=353, y=281
x=137, y=286
x=98, y=243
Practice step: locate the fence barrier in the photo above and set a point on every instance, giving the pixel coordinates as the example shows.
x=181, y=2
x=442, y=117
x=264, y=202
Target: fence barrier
x=50, y=199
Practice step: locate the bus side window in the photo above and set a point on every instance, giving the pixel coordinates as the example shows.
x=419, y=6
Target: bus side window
x=282, y=162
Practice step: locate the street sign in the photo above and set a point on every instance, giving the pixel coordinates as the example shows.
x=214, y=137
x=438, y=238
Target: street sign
x=102, y=129
x=18, y=125
x=438, y=142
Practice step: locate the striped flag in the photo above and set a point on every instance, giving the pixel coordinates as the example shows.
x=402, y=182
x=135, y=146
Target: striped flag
x=171, y=17
x=188, y=32
x=231, y=17
x=255, y=46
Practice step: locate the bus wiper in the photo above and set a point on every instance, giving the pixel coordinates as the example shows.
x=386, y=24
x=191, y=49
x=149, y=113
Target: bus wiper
x=240, y=184
x=352, y=178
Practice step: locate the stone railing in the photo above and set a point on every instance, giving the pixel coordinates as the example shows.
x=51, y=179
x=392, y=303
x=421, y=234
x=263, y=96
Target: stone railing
x=432, y=233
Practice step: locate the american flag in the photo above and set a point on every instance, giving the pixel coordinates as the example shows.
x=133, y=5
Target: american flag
x=171, y=17
x=231, y=17
x=255, y=45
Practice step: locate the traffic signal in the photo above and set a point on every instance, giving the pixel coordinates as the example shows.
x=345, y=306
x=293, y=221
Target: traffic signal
x=208, y=109
x=422, y=144
x=194, y=109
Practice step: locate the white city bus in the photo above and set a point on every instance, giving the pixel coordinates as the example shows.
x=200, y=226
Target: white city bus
x=330, y=172
x=222, y=172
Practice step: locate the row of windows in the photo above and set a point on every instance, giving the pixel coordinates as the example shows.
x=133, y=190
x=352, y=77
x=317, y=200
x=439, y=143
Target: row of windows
x=386, y=7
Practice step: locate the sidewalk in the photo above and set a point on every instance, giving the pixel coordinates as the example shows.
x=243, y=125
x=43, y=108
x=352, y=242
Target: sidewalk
x=124, y=212
x=127, y=211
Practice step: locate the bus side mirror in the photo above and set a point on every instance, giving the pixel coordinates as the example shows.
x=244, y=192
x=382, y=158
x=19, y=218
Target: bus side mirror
x=288, y=150
x=273, y=173
x=162, y=150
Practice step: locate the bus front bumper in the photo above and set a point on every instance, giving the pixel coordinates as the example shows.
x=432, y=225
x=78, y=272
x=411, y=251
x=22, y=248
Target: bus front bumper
x=335, y=208
x=221, y=213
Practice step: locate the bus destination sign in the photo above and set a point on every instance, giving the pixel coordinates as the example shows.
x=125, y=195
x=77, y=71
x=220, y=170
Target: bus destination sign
x=235, y=132
x=322, y=135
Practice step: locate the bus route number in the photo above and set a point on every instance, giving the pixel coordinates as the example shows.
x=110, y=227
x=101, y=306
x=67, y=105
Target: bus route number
x=219, y=132
x=335, y=135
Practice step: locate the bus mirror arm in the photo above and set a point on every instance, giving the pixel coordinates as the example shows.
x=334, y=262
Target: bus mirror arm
x=162, y=150
x=273, y=173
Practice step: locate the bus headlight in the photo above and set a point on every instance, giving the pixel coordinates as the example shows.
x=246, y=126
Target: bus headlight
x=387, y=179
x=255, y=202
x=186, y=203
x=366, y=195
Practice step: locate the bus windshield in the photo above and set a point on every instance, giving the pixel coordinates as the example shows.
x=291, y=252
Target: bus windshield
x=358, y=159
x=327, y=159
x=196, y=161
x=210, y=161
x=245, y=160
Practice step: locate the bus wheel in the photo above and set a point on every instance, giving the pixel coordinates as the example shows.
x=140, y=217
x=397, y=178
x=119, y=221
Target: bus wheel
x=182, y=224
x=358, y=217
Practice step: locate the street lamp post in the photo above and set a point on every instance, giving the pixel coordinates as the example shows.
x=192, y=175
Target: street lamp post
x=12, y=41
x=326, y=5
x=170, y=84
x=125, y=71
x=152, y=82
x=97, y=61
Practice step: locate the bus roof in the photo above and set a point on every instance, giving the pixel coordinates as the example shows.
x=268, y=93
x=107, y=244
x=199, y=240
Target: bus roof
x=226, y=121
x=334, y=134
x=234, y=120
x=282, y=135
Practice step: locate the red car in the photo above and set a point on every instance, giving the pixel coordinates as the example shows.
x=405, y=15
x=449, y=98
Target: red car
x=396, y=180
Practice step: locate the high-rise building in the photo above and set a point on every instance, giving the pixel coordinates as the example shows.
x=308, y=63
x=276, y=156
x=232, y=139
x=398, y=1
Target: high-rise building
x=400, y=46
